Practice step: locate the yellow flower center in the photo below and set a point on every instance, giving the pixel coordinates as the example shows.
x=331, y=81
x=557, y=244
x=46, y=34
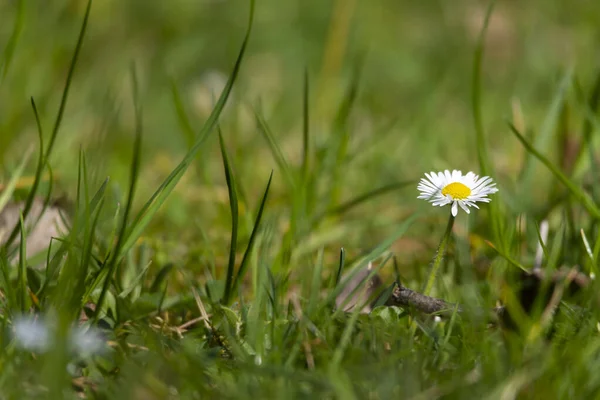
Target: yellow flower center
x=456, y=190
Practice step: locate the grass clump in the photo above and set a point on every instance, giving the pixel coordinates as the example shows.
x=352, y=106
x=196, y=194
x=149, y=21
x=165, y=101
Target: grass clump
x=278, y=251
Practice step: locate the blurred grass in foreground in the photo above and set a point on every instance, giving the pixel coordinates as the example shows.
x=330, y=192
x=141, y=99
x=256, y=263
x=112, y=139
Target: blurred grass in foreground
x=328, y=117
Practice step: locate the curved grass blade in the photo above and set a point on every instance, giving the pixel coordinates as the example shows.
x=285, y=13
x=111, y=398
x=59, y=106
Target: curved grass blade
x=143, y=218
x=255, y=229
x=57, y=122
x=7, y=287
x=578, y=193
x=22, y=274
x=233, y=205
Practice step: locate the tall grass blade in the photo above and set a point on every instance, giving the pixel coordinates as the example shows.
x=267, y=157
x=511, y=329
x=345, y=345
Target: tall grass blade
x=233, y=205
x=57, y=123
x=577, y=192
x=315, y=284
x=253, y=235
x=340, y=270
x=482, y=154
x=53, y=263
x=7, y=286
x=588, y=129
x=588, y=251
x=22, y=274
x=542, y=140
x=147, y=212
x=305, y=129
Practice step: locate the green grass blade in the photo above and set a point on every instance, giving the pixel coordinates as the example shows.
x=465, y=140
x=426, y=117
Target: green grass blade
x=134, y=174
x=542, y=140
x=482, y=154
x=22, y=274
x=508, y=258
x=7, y=286
x=161, y=278
x=315, y=284
x=253, y=235
x=160, y=195
x=588, y=251
x=578, y=193
x=87, y=257
x=588, y=129
x=555, y=252
x=233, y=205
x=596, y=251
x=541, y=242
x=52, y=264
x=340, y=270
x=305, y=129
x=135, y=282
x=9, y=50
x=57, y=122
x=276, y=151
x=336, y=156
x=346, y=336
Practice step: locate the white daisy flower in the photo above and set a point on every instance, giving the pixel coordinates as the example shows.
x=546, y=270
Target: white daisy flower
x=454, y=188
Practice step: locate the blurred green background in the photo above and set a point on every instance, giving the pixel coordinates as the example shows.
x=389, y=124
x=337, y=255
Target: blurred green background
x=412, y=62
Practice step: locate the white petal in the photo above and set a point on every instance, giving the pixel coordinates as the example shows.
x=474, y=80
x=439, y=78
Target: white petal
x=454, y=209
x=464, y=207
x=448, y=176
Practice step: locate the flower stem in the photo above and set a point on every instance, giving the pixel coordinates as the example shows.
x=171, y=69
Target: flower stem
x=439, y=256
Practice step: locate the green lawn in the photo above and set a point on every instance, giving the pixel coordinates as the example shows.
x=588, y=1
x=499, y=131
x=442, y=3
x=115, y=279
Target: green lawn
x=227, y=169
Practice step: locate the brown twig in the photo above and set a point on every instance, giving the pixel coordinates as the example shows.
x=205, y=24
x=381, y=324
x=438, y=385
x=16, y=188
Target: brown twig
x=405, y=297
x=561, y=279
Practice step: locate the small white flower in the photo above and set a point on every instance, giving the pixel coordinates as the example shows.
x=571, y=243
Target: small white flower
x=87, y=341
x=454, y=188
x=31, y=334
x=36, y=334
